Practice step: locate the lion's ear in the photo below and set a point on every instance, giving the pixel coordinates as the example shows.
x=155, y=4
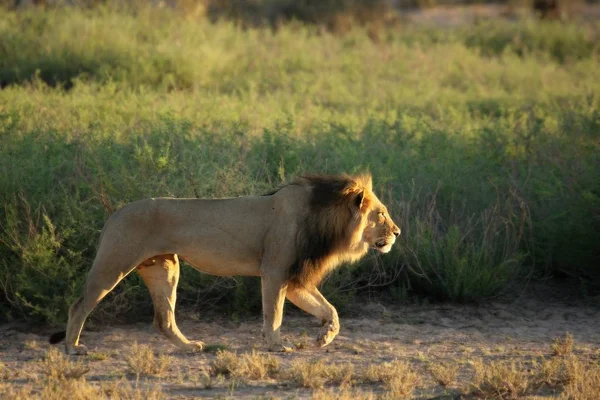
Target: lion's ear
x=359, y=199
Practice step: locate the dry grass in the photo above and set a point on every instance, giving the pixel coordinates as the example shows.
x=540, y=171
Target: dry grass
x=584, y=380
x=397, y=376
x=123, y=390
x=519, y=374
x=142, y=361
x=257, y=366
x=54, y=389
x=500, y=380
x=344, y=394
x=225, y=363
x=213, y=348
x=3, y=371
x=252, y=366
x=31, y=345
x=79, y=389
x=57, y=366
x=444, y=373
x=558, y=372
x=98, y=356
x=563, y=346
x=315, y=374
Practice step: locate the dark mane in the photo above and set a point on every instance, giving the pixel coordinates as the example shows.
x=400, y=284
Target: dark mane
x=324, y=236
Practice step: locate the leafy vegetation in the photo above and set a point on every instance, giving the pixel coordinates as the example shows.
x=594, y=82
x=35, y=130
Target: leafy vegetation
x=482, y=141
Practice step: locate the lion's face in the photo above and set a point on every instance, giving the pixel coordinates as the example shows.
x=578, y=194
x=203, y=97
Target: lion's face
x=380, y=231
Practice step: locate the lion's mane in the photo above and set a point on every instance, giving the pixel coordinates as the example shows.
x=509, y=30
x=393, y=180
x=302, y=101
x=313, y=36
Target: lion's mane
x=329, y=229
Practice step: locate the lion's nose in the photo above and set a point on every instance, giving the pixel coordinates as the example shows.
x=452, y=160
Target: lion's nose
x=397, y=232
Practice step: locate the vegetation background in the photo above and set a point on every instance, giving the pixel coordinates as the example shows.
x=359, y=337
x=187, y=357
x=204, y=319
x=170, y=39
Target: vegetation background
x=482, y=137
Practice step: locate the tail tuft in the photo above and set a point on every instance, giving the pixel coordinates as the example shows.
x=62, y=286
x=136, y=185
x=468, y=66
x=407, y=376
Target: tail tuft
x=57, y=337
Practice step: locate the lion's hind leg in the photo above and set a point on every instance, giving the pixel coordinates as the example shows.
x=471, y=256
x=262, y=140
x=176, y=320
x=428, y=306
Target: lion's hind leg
x=105, y=274
x=161, y=275
x=312, y=301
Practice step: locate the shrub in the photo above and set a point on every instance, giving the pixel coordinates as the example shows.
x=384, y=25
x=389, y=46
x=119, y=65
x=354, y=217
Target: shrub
x=482, y=141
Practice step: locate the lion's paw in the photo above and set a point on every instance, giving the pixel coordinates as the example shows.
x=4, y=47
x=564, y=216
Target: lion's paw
x=195, y=346
x=191, y=346
x=327, y=337
x=79, y=350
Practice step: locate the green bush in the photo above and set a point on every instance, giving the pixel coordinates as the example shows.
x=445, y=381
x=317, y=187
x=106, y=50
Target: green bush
x=487, y=158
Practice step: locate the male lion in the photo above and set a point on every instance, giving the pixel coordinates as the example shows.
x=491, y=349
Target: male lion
x=290, y=238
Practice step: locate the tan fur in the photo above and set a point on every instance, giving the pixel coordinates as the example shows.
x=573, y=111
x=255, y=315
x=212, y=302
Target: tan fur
x=290, y=238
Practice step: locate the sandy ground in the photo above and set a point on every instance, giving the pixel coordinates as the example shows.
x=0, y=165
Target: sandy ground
x=419, y=334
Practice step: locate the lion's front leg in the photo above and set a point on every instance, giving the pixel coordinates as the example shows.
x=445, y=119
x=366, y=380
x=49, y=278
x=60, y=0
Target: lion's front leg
x=273, y=297
x=312, y=301
x=161, y=275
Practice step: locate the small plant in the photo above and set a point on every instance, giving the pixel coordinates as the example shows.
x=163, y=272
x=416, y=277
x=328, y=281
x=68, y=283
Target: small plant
x=397, y=376
x=123, y=390
x=563, y=346
x=257, y=366
x=344, y=394
x=213, y=348
x=56, y=366
x=500, y=379
x=557, y=372
x=78, y=389
x=444, y=374
x=308, y=374
x=315, y=374
x=585, y=382
x=31, y=345
x=252, y=366
x=3, y=371
x=98, y=356
x=142, y=361
x=225, y=364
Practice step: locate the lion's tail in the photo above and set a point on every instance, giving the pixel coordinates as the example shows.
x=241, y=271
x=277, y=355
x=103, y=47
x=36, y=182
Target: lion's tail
x=57, y=337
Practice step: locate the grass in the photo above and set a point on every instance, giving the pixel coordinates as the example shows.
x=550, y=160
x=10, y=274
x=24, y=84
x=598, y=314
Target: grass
x=559, y=372
x=142, y=361
x=483, y=142
x=315, y=374
x=59, y=377
x=444, y=373
x=81, y=390
x=397, y=376
x=511, y=376
x=56, y=366
x=98, y=356
x=500, y=380
x=251, y=366
x=586, y=382
x=344, y=394
x=213, y=348
x=563, y=346
x=570, y=377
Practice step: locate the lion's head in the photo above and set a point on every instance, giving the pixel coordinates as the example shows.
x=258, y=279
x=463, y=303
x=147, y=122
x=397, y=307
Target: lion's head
x=380, y=231
x=345, y=218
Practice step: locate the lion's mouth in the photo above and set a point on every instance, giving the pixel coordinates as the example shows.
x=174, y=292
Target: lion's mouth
x=384, y=245
x=380, y=244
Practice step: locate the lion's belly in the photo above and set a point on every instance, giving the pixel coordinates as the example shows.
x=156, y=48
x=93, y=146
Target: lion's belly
x=222, y=266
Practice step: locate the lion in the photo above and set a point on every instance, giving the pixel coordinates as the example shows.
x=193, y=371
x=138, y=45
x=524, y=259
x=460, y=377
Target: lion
x=290, y=238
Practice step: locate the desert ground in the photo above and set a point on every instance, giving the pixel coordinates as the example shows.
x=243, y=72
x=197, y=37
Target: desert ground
x=525, y=348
